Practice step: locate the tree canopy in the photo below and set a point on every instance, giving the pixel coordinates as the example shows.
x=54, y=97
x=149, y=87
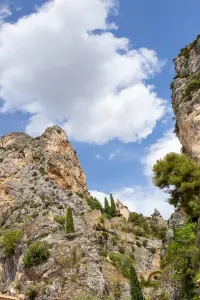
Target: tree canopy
x=179, y=176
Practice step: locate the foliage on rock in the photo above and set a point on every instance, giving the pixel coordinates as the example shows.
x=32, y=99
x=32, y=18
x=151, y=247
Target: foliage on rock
x=94, y=203
x=183, y=257
x=36, y=254
x=122, y=261
x=11, y=239
x=179, y=176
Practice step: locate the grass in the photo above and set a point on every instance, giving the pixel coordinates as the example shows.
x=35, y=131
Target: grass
x=122, y=261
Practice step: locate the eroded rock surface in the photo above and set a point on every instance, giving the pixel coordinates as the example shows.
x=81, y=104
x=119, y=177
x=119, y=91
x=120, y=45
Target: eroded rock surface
x=186, y=98
x=39, y=179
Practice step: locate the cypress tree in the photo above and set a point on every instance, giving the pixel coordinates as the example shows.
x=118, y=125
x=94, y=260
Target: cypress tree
x=113, y=211
x=69, y=224
x=136, y=291
x=106, y=207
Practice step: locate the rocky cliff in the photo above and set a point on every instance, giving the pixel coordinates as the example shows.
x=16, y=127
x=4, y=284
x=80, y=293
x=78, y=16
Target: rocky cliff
x=186, y=105
x=186, y=98
x=39, y=179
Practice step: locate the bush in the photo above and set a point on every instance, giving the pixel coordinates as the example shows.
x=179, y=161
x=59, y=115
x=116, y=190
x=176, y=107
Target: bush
x=102, y=219
x=11, y=239
x=136, y=219
x=153, y=250
x=36, y=254
x=144, y=243
x=31, y=293
x=69, y=221
x=122, y=249
x=138, y=244
x=60, y=220
x=159, y=233
x=94, y=203
x=42, y=171
x=183, y=256
x=122, y=261
x=192, y=86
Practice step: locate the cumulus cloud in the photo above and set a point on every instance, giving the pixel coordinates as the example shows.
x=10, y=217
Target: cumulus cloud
x=63, y=64
x=143, y=199
x=168, y=143
x=140, y=199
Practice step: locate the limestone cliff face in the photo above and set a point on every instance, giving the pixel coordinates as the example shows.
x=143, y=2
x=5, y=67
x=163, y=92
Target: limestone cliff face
x=39, y=179
x=186, y=98
x=51, y=155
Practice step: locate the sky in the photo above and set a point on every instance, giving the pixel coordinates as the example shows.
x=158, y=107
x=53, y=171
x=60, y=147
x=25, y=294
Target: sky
x=101, y=70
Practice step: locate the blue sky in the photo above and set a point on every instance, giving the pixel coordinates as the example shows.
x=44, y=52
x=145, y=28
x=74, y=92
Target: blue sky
x=51, y=72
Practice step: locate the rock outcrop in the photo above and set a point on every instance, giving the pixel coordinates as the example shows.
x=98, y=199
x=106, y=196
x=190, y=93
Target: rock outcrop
x=39, y=179
x=186, y=98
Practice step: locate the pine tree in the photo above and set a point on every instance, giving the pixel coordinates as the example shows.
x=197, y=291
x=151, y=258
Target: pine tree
x=113, y=211
x=69, y=223
x=106, y=207
x=136, y=292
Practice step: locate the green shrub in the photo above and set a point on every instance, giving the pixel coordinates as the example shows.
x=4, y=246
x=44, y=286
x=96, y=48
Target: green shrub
x=138, y=244
x=60, y=220
x=36, y=254
x=136, y=219
x=153, y=250
x=186, y=51
x=122, y=249
x=42, y=171
x=114, y=240
x=32, y=292
x=102, y=219
x=11, y=239
x=122, y=261
x=184, y=257
x=144, y=243
x=94, y=203
x=192, y=86
x=159, y=233
x=138, y=232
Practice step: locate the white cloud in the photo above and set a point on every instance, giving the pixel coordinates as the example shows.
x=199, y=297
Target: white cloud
x=100, y=196
x=98, y=157
x=168, y=143
x=57, y=65
x=113, y=155
x=140, y=199
x=5, y=12
x=143, y=199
